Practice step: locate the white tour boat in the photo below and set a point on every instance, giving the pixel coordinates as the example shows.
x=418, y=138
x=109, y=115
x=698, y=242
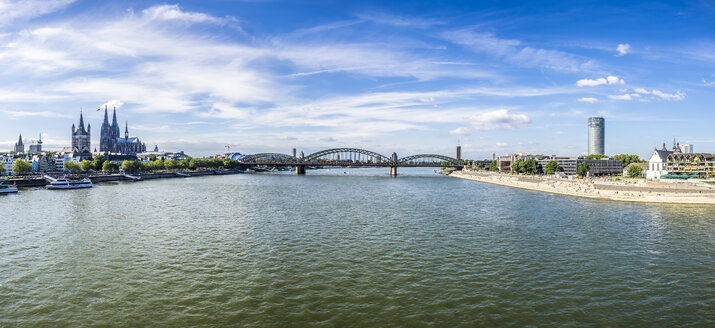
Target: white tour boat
x=6, y=188
x=70, y=184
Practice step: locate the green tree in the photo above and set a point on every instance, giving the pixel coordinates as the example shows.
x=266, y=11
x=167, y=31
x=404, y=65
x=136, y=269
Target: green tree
x=87, y=165
x=98, y=162
x=531, y=166
x=551, y=167
x=21, y=166
x=635, y=171
x=627, y=159
x=131, y=166
x=2, y=168
x=108, y=166
x=518, y=166
x=596, y=156
x=72, y=167
x=172, y=164
x=583, y=169
x=493, y=166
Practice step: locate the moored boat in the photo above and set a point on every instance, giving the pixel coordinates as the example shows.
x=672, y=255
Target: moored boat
x=6, y=188
x=70, y=184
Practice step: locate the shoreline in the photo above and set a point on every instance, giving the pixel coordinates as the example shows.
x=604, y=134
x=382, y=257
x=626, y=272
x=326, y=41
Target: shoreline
x=40, y=182
x=642, y=192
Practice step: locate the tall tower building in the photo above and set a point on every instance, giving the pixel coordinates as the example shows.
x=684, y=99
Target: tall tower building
x=81, y=140
x=596, y=135
x=459, y=152
x=19, y=146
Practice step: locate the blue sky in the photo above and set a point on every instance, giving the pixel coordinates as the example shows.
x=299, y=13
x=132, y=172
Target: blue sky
x=410, y=77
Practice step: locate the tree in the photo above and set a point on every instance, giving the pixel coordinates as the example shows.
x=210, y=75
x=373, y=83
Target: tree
x=98, y=162
x=583, y=169
x=635, y=171
x=596, y=156
x=108, y=166
x=518, y=166
x=531, y=166
x=21, y=166
x=2, y=168
x=172, y=164
x=72, y=167
x=131, y=166
x=493, y=166
x=551, y=167
x=627, y=159
x=87, y=165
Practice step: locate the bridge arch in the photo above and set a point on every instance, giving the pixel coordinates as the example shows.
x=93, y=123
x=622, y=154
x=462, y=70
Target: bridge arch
x=268, y=156
x=314, y=156
x=450, y=160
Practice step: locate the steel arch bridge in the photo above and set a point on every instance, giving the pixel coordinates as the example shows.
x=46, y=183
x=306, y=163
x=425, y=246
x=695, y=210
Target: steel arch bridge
x=317, y=155
x=269, y=156
x=413, y=158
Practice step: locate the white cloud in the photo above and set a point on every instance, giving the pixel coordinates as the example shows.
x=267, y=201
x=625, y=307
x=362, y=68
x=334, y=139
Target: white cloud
x=599, y=81
x=642, y=91
x=500, y=118
x=387, y=19
x=621, y=97
x=116, y=103
x=623, y=49
x=590, y=100
x=669, y=96
x=462, y=131
x=502, y=144
x=710, y=84
x=558, y=133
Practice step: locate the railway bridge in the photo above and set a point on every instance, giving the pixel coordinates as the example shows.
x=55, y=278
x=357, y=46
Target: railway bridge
x=348, y=157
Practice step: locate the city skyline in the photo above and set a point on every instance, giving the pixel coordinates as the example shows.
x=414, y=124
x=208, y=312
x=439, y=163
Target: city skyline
x=196, y=76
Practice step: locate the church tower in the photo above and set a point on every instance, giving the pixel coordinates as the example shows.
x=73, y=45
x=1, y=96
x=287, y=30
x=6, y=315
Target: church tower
x=19, y=146
x=105, y=134
x=81, y=140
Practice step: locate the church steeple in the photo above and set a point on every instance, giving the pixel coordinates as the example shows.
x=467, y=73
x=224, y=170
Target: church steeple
x=114, y=118
x=126, y=130
x=81, y=122
x=19, y=140
x=106, y=118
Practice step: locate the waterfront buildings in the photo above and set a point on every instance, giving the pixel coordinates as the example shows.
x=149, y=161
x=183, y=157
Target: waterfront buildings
x=644, y=169
x=81, y=138
x=568, y=164
x=19, y=146
x=656, y=163
x=596, y=135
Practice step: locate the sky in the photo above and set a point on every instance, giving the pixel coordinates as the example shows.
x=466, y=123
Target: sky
x=388, y=76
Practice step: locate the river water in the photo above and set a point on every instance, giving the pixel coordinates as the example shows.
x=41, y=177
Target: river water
x=349, y=247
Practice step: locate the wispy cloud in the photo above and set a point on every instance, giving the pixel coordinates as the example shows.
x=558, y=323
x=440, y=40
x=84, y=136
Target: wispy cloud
x=621, y=97
x=590, y=100
x=515, y=51
x=500, y=118
x=401, y=21
x=12, y=10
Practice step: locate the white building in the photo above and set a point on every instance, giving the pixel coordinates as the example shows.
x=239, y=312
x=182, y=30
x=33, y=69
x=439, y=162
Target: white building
x=656, y=163
x=7, y=162
x=686, y=148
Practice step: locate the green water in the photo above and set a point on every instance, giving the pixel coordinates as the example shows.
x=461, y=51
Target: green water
x=349, y=248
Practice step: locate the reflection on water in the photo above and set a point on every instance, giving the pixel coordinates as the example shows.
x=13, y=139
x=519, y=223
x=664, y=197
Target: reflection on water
x=349, y=247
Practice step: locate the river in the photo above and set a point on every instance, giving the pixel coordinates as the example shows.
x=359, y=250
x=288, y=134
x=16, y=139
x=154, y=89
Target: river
x=349, y=247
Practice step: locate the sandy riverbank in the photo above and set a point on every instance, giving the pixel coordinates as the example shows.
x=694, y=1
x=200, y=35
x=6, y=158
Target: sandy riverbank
x=642, y=191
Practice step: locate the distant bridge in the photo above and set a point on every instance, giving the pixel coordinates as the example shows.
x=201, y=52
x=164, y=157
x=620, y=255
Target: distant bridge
x=350, y=157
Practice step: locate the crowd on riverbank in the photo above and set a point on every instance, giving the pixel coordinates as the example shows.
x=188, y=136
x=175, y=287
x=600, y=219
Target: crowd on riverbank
x=640, y=190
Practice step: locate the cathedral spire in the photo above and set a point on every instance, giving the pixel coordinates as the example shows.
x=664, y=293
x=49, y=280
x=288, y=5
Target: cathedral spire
x=19, y=140
x=114, y=118
x=106, y=118
x=126, y=130
x=40, y=141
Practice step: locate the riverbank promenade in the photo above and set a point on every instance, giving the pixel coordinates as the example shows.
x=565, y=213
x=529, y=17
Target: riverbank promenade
x=629, y=191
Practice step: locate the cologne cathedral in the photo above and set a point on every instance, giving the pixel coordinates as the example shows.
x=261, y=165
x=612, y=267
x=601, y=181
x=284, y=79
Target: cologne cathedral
x=111, y=142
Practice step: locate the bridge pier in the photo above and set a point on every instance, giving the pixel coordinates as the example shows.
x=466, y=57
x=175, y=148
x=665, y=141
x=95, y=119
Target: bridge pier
x=393, y=171
x=300, y=169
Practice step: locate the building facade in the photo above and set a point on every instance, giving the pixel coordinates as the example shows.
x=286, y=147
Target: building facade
x=596, y=135
x=81, y=139
x=37, y=146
